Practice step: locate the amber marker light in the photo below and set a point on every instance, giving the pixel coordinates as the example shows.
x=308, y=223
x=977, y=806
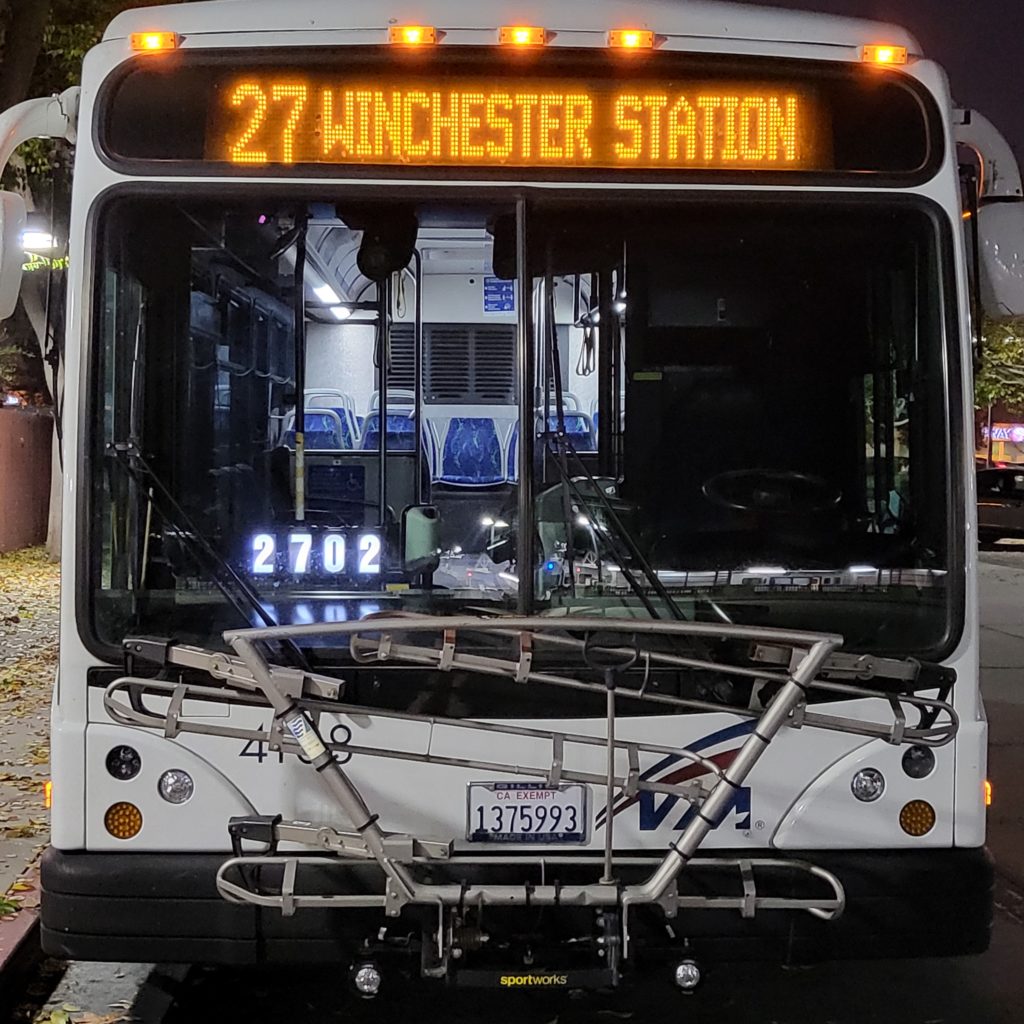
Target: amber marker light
x=522, y=35
x=882, y=53
x=48, y=794
x=631, y=39
x=988, y=793
x=153, y=42
x=917, y=818
x=123, y=820
x=412, y=35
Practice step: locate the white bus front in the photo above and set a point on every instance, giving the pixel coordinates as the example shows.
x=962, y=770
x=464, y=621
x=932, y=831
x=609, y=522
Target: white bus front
x=643, y=368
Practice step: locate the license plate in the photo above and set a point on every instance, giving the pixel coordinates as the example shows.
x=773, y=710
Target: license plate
x=526, y=812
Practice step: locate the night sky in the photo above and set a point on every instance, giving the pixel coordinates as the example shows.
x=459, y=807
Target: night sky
x=980, y=43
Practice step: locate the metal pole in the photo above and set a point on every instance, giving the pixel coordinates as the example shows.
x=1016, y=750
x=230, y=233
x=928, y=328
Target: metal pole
x=299, y=312
x=526, y=367
x=383, y=321
x=607, y=877
x=417, y=373
x=988, y=454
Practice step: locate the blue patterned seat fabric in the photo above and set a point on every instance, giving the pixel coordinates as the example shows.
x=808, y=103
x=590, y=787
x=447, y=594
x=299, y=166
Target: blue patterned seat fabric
x=512, y=460
x=348, y=436
x=471, y=454
x=401, y=432
x=578, y=429
x=322, y=432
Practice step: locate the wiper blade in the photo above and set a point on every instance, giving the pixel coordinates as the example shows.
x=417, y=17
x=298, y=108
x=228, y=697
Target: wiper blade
x=618, y=531
x=239, y=593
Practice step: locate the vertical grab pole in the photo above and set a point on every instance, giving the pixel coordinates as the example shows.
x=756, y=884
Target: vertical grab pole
x=383, y=327
x=299, y=313
x=609, y=819
x=417, y=373
x=526, y=367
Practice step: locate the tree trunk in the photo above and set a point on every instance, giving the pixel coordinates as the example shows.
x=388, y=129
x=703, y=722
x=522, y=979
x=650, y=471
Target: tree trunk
x=33, y=297
x=25, y=22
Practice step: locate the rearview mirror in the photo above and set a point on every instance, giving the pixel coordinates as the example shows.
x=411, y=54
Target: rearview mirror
x=12, y=255
x=1001, y=244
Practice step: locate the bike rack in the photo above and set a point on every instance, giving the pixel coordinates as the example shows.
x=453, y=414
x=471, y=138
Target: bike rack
x=793, y=660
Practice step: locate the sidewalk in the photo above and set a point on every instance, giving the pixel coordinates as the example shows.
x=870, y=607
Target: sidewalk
x=1002, y=684
x=29, y=591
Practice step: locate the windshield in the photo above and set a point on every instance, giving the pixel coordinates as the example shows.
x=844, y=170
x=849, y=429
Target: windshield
x=738, y=413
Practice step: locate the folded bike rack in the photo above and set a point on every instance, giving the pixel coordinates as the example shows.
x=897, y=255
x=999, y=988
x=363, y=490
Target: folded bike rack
x=792, y=660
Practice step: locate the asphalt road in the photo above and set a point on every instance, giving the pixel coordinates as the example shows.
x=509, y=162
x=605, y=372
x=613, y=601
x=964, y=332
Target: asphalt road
x=980, y=990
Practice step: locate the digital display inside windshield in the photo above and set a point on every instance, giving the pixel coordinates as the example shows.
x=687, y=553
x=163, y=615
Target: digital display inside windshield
x=280, y=118
x=347, y=556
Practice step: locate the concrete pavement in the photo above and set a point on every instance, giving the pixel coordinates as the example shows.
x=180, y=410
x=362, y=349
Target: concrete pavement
x=1002, y=679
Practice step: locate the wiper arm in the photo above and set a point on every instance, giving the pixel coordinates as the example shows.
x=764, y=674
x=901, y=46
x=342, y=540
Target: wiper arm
x=623, y=535
x=239, y=593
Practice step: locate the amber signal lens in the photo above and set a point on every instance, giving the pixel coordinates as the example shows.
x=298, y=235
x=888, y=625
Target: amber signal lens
x=123, y=820
x=917, y=818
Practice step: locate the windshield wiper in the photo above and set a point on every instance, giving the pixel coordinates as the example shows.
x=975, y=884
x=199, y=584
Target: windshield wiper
x=562, y=446
x=239, y=593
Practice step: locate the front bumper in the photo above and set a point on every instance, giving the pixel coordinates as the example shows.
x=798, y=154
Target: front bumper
x=153, y=907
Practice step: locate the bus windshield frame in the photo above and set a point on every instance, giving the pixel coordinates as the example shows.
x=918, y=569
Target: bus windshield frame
x=99, y=454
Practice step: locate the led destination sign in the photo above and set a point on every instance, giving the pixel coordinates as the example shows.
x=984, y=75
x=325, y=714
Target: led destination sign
x=272, y=118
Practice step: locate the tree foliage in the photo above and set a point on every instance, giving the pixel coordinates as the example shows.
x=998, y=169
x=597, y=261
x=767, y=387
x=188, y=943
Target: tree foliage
x=42, y=45
x=1001, y=376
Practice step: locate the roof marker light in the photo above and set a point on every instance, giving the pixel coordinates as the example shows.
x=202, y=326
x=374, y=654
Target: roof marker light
x=412, y=35
x=522, y=35
x=151, y=42
x=631, y=39
x=882, y=53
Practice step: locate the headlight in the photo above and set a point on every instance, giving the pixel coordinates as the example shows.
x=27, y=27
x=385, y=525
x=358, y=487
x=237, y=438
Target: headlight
x=868, y=785
x=176, y=786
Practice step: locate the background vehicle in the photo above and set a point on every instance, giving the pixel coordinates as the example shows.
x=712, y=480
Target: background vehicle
x=1000, y=504
x=508, y=419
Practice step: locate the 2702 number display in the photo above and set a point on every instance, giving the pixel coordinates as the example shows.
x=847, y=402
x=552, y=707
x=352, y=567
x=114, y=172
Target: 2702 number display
x=344, y=554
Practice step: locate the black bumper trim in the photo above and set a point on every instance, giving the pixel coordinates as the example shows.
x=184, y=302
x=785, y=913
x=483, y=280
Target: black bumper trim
x=151, y=907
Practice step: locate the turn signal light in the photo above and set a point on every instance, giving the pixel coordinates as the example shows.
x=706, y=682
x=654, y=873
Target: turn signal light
x=413, y=35
x=150, y=42
x=917, y=818
x=123, y=820
x=48, y=794
x=881, y=53
x=988, y=793
x=631, y=39
x=522, y=35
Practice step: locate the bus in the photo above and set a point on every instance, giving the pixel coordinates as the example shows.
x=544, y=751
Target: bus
x=518, y=501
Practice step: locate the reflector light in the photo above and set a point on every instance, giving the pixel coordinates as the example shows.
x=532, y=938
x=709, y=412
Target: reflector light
x=123, y=820
x=631, y=39
x=881, y=53
x=150, y=42
x=48, y=794
x=988, y=793
x=522, y=35
x=413, y=35
x=917, y=818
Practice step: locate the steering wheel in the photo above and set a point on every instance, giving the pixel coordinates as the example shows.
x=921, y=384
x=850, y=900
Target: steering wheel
x=782, y=492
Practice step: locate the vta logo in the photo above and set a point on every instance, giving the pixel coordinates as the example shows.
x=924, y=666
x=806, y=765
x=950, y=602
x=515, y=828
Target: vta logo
x=655, y=808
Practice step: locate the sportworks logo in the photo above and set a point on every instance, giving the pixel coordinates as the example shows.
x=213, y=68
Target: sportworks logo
x=655, y=809
x=529, y=980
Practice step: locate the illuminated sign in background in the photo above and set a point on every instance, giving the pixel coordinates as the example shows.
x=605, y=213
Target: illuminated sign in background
x=271, y=119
